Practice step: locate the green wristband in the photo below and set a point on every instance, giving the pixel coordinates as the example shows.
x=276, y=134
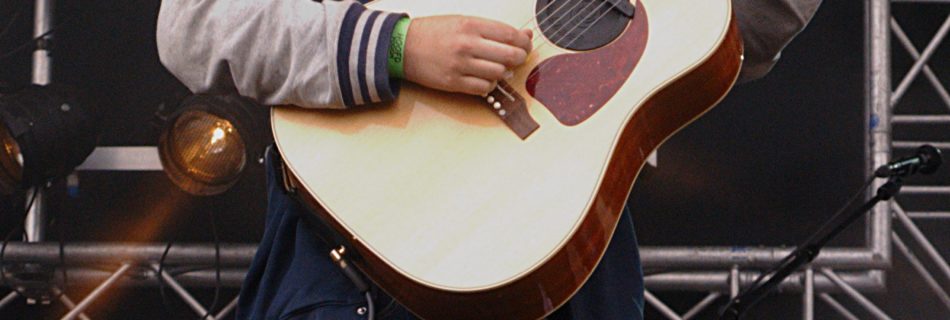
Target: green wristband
x=397, y=48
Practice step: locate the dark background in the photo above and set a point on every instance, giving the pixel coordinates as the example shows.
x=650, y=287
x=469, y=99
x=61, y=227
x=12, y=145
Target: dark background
x=764, y=168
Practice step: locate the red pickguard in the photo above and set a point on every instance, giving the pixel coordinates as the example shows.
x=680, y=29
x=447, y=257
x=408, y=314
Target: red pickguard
x=574, y=86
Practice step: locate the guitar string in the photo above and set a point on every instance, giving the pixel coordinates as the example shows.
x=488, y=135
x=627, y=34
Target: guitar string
x=540, y=32
x=565, y=35
x=535, y=17
x=579, y=34
x=560, y=28
x=577, y=37
x=543, y=64
x=539, y=25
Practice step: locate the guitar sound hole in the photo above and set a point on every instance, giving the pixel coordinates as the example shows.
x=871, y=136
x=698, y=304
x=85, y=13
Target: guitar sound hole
x=568, y=23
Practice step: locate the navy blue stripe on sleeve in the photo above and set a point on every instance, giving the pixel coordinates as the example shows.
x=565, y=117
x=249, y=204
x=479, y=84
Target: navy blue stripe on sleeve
x=343, y=52
x=364, y=44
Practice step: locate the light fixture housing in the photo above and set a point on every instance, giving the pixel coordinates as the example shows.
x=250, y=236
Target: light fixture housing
x=45, y=132
x=210, y=140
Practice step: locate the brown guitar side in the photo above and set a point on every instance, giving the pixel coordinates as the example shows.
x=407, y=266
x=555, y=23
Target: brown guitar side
x=666, y=112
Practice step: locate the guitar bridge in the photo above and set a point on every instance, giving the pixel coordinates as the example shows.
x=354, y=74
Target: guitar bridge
x=511, y=108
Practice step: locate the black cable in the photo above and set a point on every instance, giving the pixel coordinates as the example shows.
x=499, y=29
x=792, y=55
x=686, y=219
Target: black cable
x=217, y=276
x=161, y=279
x=217, y=264
x=388, y=308
x=32, y=42
x=26, y=44
x=9, y=26
x=69, y=19
x=369, y=306
x=62, y=263
x=835, y=217
x=62, y=255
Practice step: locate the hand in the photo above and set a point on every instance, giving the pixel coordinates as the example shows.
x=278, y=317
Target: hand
x=463, y=54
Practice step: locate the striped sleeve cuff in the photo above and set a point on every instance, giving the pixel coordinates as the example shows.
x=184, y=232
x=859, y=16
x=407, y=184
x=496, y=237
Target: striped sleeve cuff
x=362, y=56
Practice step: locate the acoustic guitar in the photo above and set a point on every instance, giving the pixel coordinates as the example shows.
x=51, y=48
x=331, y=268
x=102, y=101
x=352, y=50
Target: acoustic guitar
x=501, y=206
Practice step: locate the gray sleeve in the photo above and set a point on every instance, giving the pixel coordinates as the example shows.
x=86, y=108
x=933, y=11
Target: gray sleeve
x=311, y=54
x=767, y=26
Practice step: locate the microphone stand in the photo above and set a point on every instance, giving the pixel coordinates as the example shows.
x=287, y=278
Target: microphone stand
x=805, y=252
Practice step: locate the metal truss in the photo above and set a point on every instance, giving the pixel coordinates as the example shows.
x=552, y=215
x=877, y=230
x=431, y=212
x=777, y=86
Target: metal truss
x=884, y=107
x=876, y=256
x=720, y=271
x=134, y=265
x=39, y=259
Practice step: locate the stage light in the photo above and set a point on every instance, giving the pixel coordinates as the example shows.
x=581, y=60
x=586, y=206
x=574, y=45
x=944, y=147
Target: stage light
x=45, y=132
x=209, y=142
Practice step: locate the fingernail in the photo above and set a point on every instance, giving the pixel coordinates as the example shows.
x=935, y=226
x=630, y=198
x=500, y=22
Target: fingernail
x=509, y=74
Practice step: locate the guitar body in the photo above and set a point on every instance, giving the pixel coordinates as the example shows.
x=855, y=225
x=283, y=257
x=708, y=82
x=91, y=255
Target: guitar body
x=458, y=212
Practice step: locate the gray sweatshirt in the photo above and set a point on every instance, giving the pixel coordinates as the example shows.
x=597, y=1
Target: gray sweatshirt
x=333, y=54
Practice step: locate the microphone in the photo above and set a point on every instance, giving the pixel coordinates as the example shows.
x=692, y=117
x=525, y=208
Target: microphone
x=927, y=160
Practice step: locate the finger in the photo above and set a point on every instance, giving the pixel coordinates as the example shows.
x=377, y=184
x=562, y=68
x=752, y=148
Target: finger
x=504, y=33
x=474, y=85
x=484, y=69
x=507, y=55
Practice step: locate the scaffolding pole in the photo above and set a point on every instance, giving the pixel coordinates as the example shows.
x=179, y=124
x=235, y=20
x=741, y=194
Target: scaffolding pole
x=720, y=281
